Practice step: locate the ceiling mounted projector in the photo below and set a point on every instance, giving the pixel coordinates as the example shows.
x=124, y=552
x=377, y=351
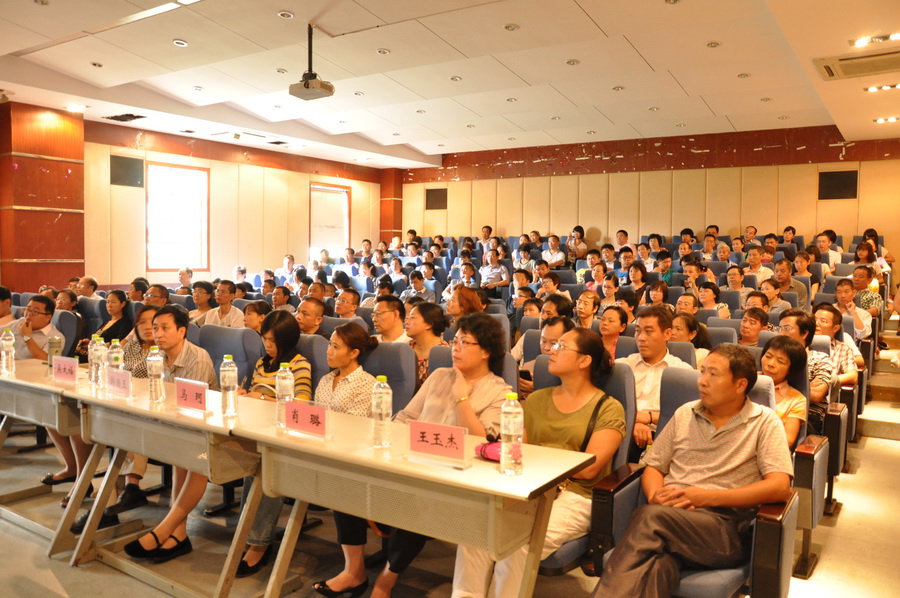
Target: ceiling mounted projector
x=311, y=87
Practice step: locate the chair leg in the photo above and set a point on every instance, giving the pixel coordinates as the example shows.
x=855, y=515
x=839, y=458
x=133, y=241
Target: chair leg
x=40, y=441
x=165, y=482
x=228, y=501
x=832, y=506
x=806, y=564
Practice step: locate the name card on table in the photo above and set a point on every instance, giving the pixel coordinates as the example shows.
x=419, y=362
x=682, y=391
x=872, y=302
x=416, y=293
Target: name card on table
x=191, y=394
x=118, y=382
x=306, y=417
x=438, y=440
x=64, y=369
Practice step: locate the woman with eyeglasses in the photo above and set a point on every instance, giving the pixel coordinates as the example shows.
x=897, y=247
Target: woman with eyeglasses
x=561, y=417
x=280, y=334
x=425, y=323
x=608, y=289
x=782, y=357
x=203, y=299
x=470, y=395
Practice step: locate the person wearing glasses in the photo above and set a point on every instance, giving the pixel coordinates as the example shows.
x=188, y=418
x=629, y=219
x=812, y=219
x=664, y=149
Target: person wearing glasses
x=157, y=295
x=552, y=329
x=469, y=394
x=388, y=317
x=202, y=295
x=225, y=314
x=346, y=304
x=562, y=417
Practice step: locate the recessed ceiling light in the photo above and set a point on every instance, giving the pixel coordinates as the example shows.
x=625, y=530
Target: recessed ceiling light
x=76, y=107
x=865, y=41
x=879, y=120
x=281, y=71
x=783, y=117
x=470, y=126
x=713, y=44
x=456, y=78
x=396, y=134
x=342, y=122
x=383, y=51
x=653, y=108
x=885, y=87
x=440, y=145
x=420, y=111
x=672, y=1
x=743, y=75
x=97, y=65
x=573, y=62
x=42, y=2
x=511, y=27
x=286, y=14
x=591, y=132
x=510, y=138
x=680, y=125
x=554, y=118
x=359, y=94
x=198, y=88
x=871, y=89
x=277, y=106
x=618, y=88
x=892, y=119
x=765, y=99
x=511, y=100
x=180, y=43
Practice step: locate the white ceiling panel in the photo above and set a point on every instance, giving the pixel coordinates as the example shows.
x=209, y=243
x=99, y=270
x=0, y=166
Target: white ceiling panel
x=352, y=121
x=489, y=125
x=425, y=112
x=597, y=58
x=201, y=86
x=692, y=126
x=207, y=41
x=723, y=78
x=522, y=139
x=481, y=30
x=15, y=37
x=77, y=58
x=402, y=10
x=766, y=100
x=606, y=132
x=392, y=47
x=669, y=109
x=259, y=70
x=376, y=90
x=586, y=117
x=280, y=106
x=446, y=146
x=527, y=99
x=398, y=135
x=796, y=118
x=623, y=18
x=600, y=91
x=60, y=18
x=474, y=75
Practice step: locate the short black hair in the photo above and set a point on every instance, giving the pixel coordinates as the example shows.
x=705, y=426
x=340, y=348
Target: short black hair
x=433, y=315
x=182, y=320
x=164, y=291
x=759, y=294
x=836, y=318
x=140, y=285
x=563, y=304
x=796, y=353
x=285, y=330
x=393, y=303
x=806, y=323
x=629, y=297
x=489, y=335
x=741, y=363
x=5, y=294
x=416, y=275
x=756, y=313
x=47, y=302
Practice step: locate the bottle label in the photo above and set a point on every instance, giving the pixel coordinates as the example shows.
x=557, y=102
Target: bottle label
x=437, y=440
x=64, y=369
x=306, y=417
x=118, y=383
x=190, y=394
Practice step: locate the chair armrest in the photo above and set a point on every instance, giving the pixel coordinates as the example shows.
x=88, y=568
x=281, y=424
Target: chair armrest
x=614, y=499
x=773, y=548
x=837, y=420
x=811, y=445
x=619, y=478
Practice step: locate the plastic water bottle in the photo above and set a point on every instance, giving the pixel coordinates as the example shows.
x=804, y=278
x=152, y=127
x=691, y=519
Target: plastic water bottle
x=156, y=366
x=382, y=406
x=284, y=392
x=93, y=364
x=116, y=355
x=512, y=425
x=101, y=355
x=228, y=381
x=7, y=354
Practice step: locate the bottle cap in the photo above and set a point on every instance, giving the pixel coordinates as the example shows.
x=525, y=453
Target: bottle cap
x=7, y=330
x=229, y=357
x=154, y=348
x=286, y=365
x=381, y=378
x=115, y=340
x=511, y=396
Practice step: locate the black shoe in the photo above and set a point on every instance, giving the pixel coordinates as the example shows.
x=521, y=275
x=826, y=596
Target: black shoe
x=376, y=559
x=245, y=570
x=65, y=499
x=322, y=588
x=182, y=547
x=49, y=480
x=137, y=551
x=132, y=497
x=105, y=521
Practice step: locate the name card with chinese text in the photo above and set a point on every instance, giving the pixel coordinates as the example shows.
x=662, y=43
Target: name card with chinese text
x=118, y=382
x=191, y=394
x=306, y=417
x=64, y=369
x=437, y=440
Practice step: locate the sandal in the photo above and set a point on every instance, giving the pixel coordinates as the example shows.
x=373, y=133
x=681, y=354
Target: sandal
x=65, y=499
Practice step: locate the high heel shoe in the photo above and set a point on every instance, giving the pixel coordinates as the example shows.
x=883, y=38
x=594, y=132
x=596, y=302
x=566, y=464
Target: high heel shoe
x=355, y=592
x=182, y=547
x=245, y=570
x=137, y=551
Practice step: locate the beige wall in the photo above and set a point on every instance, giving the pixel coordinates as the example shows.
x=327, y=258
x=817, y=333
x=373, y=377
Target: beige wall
x=256, y=216
x=768, y=197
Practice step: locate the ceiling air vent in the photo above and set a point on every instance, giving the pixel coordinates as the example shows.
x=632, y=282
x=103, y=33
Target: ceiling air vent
x=278, y=143
x=124, y=118
x=847, y=67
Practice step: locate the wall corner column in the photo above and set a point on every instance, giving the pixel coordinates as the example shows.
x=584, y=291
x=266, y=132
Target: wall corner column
x=391, y=204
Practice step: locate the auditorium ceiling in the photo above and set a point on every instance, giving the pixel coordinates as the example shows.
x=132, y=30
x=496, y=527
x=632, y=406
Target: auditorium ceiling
x=416, y=79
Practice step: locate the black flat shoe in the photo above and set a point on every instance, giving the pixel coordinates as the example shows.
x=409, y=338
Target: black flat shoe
x=245, y=570
x=322, y=588
x=105, y=521
x=49, y=480
x=65, y=499
x=182, y=547
x=136, y=551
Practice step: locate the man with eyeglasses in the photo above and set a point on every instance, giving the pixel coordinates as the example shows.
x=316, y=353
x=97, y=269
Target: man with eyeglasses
x=157, y=295
x=225, y=314
x=388, y=317
x=801, y=326
x=551, y=331
x=281, y=300
x=829, y=322
x=33, y=331
x=346, y=304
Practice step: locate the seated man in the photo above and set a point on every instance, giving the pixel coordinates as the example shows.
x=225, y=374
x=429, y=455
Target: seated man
x=608, y=255
x=157, y=295
x=225, y=314
x=623, y=242
x=701, y=516
x=551, y=330
x=687, y=304
x=417, y=288
x=281, y=298
x=783, y=269
x=6, y=315
x=754, y=259
x=754, y=321
x=664, y=266
x=750, y=236
x=268, y=286
x=87, y=287
x=494, y=275
x=708, y=253
x=801, y=326
x=346, y=304
x=385, y=287
x=653, y=329
x=759, y=300
x=628, y=301
x=309, y=316
x=869, y=300
x=554, y=256
x=844, y=295
x=466, y=279
x=626, y=258
x=239, y=273
x=33, y=331
x=286, y=269
x=829, y=322
x=388, y=317
x=832, y=257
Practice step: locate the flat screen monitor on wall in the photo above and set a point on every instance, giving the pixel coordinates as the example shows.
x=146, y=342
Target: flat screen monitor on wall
x=838, y=184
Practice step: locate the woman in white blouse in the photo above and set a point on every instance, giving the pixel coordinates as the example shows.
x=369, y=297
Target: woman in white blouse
x=469, y=394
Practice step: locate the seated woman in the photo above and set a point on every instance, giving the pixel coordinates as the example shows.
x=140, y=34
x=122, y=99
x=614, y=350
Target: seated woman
x=524, y=261
x=613, y=323
x=594, y=277
x=470, y=395
x=801, y=268
x=576, y=248
x=425, y=323
x=734, y=281
x=67, y=300
x=396, y=272
x=119, y=324
x=203, y=299
x=558, y=417
x=608, y=289
x=637, y=274
x=782, y=357
x=254, y=314
x=280, y=333
x=550, y=286
x=709, y=299
x=769, y=288
x=658, y=294
x=462, y=302
x=687, y=329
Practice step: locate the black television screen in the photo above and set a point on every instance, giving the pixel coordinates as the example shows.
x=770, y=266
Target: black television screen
x=435, y=199
x=838, y=184
x=125, y=171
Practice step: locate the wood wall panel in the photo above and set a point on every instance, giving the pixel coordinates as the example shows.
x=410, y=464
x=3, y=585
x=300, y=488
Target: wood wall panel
x=44, y=235
x=435, y=223
x=96, y=205
x=759, y=198
x=593, y=208
x=879, y=184
x=536, y=205
x=723, y=200
x=656, y=202
x=413, y=207
x=298, y=217
x=274, y=205
x=484, y=206
x=509, y=220
x=842, y=215
x=226, y=242
x=563, y=204
x=128, y=255
x=624, y=203
x=688, y=202
x=797, y=184
x=47, y=183
x=250, y=217
x=459, y=207
x=45, y=132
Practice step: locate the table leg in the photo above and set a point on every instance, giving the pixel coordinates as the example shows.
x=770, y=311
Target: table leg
x=245, y=523
x=62, y=537
x=286, y=551
x=86, y=541
x=533, y=561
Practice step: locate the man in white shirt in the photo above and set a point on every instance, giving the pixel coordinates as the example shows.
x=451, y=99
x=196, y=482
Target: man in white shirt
x=622, y=241
x=33, y=331
x=754, y=259
x=349, y=265
x=494, y=275
x=417, y=289
x=844, y=295
x=484, y=241
x=226, y=314
x=823, y=243
x=240, y=273
x=6, y=315
x=388, y=317
x=186, y=277
x=281, y=297
x=554, y=256
x=287, y=266
x=653, y=329
x=750, y=236
x=87, y=287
